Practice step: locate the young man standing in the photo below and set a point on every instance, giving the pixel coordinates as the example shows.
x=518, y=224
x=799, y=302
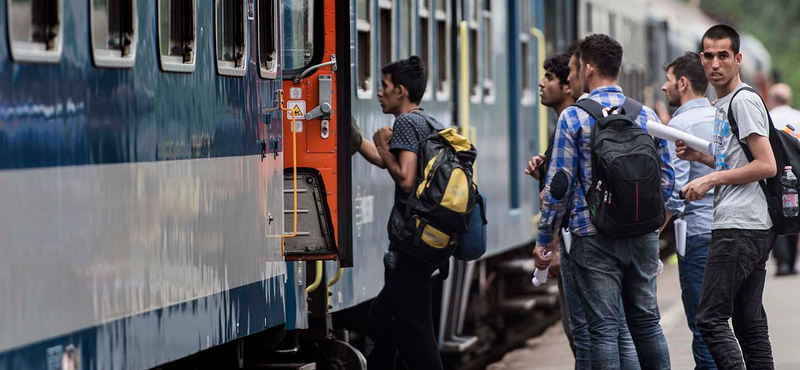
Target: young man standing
x=742, y=232
x=605, y=269
x=685, y=88
x=399, y=319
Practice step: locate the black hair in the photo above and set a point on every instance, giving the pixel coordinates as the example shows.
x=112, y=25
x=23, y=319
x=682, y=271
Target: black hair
x=688, y=65
x=409, y=73
x=604, y=53
x=574, y=49
x=721, y=32
x=559, y=65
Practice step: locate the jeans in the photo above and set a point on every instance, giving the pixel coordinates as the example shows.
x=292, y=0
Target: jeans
x=733, y=287
x=400, y=320
x=606, y=269
x=691, y=268
x=579, y=329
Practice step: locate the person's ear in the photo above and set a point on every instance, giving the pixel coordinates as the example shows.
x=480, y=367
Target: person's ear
x=682, y=83
x=401, y=91
x=738, y=59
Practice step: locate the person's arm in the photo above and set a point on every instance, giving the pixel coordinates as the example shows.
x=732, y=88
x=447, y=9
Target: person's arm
x=666, y=156
x=403, y=169
x=761, y=167
x=564, y=162
x=675, y=204
x=370, y=152
x=686, y=153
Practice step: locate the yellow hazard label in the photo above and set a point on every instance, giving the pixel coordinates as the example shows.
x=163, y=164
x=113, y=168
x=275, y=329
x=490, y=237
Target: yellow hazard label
x=298, y=108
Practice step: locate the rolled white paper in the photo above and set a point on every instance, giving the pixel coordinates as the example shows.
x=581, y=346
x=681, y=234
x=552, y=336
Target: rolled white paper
x=665, y=132
x=680, y=237
x=540, y=276
x=567, y=237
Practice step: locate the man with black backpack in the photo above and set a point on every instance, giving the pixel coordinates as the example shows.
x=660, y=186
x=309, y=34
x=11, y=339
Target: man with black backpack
x=742, y=228
x=399, y=319
x=617, y=179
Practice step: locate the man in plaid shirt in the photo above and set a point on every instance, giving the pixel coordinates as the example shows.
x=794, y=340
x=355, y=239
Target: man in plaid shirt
x=604, y=268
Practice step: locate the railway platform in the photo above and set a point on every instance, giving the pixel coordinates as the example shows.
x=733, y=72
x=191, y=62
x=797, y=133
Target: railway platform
x=550, y=351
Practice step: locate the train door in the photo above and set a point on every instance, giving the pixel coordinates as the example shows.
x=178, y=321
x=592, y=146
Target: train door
x=316, y=129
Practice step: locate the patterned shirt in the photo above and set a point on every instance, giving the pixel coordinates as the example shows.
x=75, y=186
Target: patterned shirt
x=572, y=155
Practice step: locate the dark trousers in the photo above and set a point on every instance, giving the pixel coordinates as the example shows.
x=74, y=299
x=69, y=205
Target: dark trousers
x=733, y=287
x=786, y=253
x=400, y=320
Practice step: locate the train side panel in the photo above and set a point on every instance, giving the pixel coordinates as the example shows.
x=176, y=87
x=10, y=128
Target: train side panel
x=135, y=203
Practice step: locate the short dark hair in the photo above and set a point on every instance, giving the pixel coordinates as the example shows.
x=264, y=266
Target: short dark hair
x=559, y=65
x=721, y=32
x=688, y=65
x=574, y=48
x=409, y=73
x=604, y=53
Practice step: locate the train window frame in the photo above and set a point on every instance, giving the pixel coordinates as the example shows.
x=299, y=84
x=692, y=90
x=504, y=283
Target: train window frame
x=264, y=71
x=442, y=20
x=225, y=67
x=104, y=57
x=490, y=73
x=526, y=77
x=425, y=45
x=175, y=63
x=475, y=54
x=36, y=51
x=405, y=17
x=365, y=86
x=386, y=33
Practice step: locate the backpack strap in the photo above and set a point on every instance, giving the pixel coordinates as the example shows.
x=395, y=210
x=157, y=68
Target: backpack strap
x=592, y=107
x=631, y=108
x=735, y=131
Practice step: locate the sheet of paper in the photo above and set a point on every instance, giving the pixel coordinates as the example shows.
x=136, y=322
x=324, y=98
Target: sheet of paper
x=662, y=131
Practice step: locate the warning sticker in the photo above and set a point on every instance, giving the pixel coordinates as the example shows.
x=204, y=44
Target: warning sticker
x=298, y=108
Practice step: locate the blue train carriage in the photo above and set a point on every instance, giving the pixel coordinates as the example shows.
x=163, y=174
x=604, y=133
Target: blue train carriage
x=482, y=59
x=139, y=172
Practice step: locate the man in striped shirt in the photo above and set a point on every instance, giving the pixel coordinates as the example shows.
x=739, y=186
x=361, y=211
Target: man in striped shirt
x=604, y=268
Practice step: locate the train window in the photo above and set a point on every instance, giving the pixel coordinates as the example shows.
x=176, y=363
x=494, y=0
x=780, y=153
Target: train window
x=385, y=43
x=442, y=50
x=231, y=40
x=268, y=38
x=612, y=25
x=425, y=44
x=364, y=48
x=298, y=38
x=488, y=49
x=525, y=65
x=113, y=29
x=35, y=30
x=176, y=34
x=474, y=52
x=589, y=17
x=406, y=28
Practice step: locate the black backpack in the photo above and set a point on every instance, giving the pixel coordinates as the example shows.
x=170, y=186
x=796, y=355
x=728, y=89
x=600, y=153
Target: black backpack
x=786, y=149
x=439, y=208
x=626, y=198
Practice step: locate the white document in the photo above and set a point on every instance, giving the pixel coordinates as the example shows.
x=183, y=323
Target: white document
x=540, y=276
x=662, y=131
x=567, y=237
x=680, y=237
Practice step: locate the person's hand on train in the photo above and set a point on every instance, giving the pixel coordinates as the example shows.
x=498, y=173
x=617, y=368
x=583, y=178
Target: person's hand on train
x=534, y=168
x=539, y=259
x=382, y=137
x=355, y=137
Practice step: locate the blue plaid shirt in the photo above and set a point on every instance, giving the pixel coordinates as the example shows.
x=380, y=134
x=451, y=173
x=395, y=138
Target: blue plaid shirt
x=572, y=153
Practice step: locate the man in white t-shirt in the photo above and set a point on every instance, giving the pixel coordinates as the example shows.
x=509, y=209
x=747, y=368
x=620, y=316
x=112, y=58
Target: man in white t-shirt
x=779, y=98
x=742, y=233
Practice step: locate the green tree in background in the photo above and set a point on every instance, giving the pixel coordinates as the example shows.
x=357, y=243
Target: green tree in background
x=775, y=23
